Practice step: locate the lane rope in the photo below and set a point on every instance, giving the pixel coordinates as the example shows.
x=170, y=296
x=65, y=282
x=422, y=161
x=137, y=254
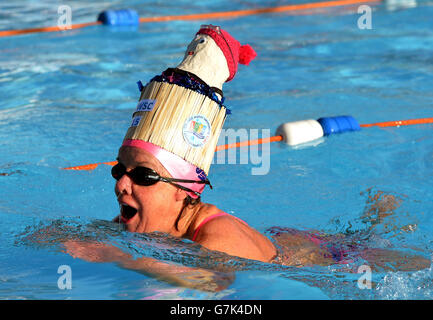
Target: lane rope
x=399, y=123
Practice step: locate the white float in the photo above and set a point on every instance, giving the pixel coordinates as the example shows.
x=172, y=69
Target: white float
x=298, y=132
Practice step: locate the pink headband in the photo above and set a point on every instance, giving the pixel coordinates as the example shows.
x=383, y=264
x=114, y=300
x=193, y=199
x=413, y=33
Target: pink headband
x=175, y=165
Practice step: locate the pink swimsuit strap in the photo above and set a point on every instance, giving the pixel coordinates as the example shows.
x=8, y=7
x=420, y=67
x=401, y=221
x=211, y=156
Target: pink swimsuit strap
x=211, y=217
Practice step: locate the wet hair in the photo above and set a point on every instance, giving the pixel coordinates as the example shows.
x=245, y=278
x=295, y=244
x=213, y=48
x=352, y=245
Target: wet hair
x=187, y=202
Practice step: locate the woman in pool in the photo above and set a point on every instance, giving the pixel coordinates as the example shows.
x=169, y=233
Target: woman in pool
x=162, y=171
x=182, y=153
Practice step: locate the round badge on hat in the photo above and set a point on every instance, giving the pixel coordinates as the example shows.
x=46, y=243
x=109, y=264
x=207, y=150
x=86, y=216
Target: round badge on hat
x=196, y=130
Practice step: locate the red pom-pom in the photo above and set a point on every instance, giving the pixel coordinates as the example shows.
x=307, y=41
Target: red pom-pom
x=246, y=54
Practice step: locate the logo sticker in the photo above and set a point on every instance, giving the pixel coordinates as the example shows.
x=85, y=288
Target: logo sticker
x=196, y=130
x=135, y=121
x=146, y=105
x=200, y=174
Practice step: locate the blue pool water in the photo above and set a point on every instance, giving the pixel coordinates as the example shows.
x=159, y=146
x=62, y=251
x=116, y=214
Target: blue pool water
x=66, y=99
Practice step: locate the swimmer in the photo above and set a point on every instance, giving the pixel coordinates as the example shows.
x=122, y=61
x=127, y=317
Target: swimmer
x=166, y=155
x=161, y=174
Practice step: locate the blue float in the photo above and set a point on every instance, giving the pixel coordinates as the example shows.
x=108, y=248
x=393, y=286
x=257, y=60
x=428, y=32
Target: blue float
x=123, y=17
x=331, y=125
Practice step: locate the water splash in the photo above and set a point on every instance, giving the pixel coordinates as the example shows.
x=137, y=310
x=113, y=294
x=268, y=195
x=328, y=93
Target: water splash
x=405, y=285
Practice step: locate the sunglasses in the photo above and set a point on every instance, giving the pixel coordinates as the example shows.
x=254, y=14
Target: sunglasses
x=144, y=176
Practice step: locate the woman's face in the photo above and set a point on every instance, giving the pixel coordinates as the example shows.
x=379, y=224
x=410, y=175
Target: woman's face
x=146, y=208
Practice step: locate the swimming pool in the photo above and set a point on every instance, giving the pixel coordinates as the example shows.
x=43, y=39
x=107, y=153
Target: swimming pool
x=66, y=99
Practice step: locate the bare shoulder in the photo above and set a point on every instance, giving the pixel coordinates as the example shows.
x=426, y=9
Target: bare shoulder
x=231, y=235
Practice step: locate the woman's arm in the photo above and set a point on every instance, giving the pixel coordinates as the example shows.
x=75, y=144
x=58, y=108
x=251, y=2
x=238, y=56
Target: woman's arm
x=195, y=278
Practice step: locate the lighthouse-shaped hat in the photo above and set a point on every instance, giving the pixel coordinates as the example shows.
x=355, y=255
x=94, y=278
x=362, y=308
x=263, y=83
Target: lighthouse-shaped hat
x=181, y=112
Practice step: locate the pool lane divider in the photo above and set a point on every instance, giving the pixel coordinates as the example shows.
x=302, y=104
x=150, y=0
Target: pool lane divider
x=129, y=17
x=298, y=132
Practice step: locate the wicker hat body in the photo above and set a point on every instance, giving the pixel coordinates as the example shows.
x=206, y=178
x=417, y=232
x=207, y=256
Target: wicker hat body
x=179, y=120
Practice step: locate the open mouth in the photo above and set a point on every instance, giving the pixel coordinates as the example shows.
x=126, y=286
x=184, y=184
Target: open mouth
x=127, y=212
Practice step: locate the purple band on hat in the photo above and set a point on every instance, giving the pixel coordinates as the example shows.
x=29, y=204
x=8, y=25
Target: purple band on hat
x=175, y=165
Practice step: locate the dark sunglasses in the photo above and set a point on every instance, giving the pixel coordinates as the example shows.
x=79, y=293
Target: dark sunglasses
x=144, y=176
